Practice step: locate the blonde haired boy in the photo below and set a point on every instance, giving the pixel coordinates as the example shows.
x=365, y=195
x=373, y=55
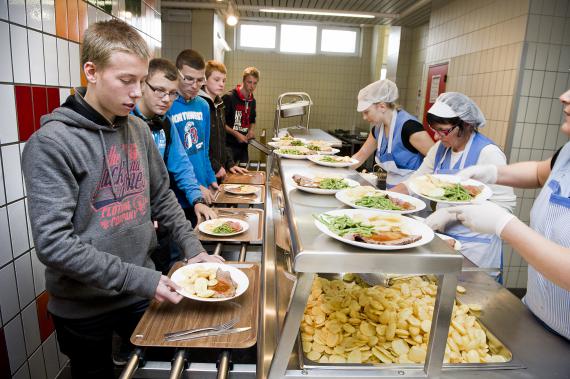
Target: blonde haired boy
x=93, y=179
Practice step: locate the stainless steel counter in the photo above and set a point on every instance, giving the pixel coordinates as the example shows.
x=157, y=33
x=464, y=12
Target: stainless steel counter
x=315, y=135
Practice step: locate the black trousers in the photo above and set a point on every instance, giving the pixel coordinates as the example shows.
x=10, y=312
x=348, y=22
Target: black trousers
x=239, y=152
x=88, y=341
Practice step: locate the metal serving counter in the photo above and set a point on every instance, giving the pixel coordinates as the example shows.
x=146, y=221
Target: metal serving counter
x=536, y=352
x=315, y=135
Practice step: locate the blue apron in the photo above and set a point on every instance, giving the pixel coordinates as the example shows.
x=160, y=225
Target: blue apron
x=394, y=158
x=550, y=216
x=485, y=250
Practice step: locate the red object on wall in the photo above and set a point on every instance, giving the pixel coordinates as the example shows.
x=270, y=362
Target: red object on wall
x=39, y=96
x=437, y=77
x=44, y=319
x=25, y=111
x=52, y=99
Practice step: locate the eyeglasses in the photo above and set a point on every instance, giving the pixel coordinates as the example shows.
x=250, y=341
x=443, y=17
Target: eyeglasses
x=190, y=80
x=161, y=93
x=443, y=133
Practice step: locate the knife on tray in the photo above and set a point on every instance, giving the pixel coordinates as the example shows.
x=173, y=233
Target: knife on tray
x=208, y=334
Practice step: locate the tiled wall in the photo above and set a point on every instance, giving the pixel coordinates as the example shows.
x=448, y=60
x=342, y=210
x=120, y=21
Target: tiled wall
x=332, y=82
x=176, y=32
x=536, y=130
x=39, y=46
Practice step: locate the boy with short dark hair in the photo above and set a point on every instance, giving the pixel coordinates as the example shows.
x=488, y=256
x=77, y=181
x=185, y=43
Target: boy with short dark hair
x=94, y=178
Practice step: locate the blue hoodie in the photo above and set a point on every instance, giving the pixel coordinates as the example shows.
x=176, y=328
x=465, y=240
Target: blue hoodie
x=192, y=121
x=177, y=161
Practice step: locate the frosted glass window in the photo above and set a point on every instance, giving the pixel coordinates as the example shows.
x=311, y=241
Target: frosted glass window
x=338, y=41
x=298, y=39
x=257, y=36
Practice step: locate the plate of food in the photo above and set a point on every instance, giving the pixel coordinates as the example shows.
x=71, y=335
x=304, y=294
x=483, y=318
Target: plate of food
x=294, y=152
x=373, y=229
x=321, y=147
x=210, y=281
x=368, y=197
x=288, y=138
x=223, y=227
x=333, y=160
x=241, y=189
x=323, y=184
x=294, y=142
x=450, y=189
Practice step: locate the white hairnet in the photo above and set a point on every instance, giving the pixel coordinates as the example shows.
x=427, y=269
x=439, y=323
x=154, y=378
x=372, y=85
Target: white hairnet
x=461, y=106
x=381, y=91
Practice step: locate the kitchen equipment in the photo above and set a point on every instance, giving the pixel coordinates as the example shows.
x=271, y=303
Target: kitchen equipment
x=292, y=104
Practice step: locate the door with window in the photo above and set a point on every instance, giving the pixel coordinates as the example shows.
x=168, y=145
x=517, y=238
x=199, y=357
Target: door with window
x=437, y=77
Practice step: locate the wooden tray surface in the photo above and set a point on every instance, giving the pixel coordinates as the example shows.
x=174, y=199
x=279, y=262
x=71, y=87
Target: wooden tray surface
x=161, y=318
x=223, y=197
x=252, y=177
x=253, y=216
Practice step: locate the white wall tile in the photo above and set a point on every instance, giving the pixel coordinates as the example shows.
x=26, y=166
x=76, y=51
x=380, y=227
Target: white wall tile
x=560, y=85
x=48, y=16
x=6, y=61
x=13, y=171
x=533, y=27
x=560, y=7
x=17, y=10
x=50, y=55
x=36, y=47
x=37, y=365
x=548, y=85
x=551, y=136
x=24, y=279
x=28, y=223
x=38, y=270
x=15, y=343
x=4, y=9
x=553, y=57
x=539, y=136
x=50, y=356
x=62, y=358
x=555, y=113
x=34, y=14
x=526, y=80
x=22, y=373
x=63, y=62
x=564, y=61
x=91, y=14
x=532, y=110
x=20, y=60
x=536, y=83
x=5, y=245
x=31, y=328
x=74, y=64
x=543, y=111
x=527, y=134
x=9, y=304
x=544, y=29
x=8, y=126
x=63, y=94
x=18, y=228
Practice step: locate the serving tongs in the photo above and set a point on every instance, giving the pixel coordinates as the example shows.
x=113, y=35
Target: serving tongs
x=193, y=333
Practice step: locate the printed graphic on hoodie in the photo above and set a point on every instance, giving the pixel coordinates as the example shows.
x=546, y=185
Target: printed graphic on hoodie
x=241, y=120
x=190, y=139
x=119, y=198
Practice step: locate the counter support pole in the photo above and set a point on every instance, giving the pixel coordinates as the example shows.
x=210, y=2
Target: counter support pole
x=290, y=328
x=132, y=365
x=178, y=364
x=224, y=365
x=242, y=252
x=218, y=249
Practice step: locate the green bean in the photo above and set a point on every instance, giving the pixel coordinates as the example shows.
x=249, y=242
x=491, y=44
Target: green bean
x=333, y=183
x=455, y=192
x=378, y=202
x=223, y=229
x=342, y=225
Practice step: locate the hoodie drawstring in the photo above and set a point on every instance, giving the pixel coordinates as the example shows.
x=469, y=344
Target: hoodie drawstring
x=107, y=165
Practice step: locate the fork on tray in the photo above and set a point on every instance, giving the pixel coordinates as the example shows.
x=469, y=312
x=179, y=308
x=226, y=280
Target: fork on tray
x=224, y=326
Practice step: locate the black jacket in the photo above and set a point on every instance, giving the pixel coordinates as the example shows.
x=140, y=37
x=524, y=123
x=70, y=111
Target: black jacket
x=220, y=155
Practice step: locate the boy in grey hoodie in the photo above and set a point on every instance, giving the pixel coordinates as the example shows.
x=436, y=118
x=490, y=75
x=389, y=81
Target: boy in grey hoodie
x=94, y=181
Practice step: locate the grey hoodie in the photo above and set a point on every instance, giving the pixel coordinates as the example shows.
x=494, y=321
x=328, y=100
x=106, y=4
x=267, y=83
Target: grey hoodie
x=93, y=191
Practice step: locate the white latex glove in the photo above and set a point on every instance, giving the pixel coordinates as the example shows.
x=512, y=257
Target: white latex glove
x=486, y=173
x=439, y=219
x=486, y=218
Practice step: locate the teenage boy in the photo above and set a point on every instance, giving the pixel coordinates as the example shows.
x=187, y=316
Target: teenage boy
x=220, y=154
x=190, y=116
x=94, y=177
x=240, y=114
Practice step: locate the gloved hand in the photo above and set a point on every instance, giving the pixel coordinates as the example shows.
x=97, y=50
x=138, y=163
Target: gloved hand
x=486, y=218
x=486, y=173
x=439, y=219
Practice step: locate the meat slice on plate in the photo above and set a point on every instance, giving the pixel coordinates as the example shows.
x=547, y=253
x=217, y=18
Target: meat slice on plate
x=225, y=287
x=236, y=226
x=303, y=181
x=388, y=238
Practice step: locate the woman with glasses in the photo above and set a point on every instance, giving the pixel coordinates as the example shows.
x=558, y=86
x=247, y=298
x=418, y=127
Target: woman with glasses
x=456, y=120
x=398, y=138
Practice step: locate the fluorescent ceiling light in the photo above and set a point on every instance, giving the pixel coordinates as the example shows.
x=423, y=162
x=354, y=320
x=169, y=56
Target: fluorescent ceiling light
x=318, y=13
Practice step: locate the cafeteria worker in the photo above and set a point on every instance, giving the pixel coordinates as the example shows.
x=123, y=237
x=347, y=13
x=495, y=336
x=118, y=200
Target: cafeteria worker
x=456, y=120
x=397, y=138
x=545, y=245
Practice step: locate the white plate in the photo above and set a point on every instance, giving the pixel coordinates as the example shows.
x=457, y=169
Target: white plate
x=416, y=183
x=279, y=144
x=277, y=139
x=291, y=156
x=321, y=191
x=235, y=189
x=206, y=227
x=409, y=225
x=237, y=275
x=343, y=197
x=316, y=159
x=332, y=151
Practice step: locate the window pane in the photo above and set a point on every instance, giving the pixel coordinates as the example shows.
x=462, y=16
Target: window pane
x=260, y=36
x=298, y=39
x=338, y=41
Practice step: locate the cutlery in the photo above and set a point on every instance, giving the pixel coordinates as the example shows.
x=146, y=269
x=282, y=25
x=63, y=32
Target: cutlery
x=233, y=214
x=208, y=334
x=223, y=326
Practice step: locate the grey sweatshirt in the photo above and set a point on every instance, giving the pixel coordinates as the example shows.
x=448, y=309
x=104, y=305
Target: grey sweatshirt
x=93, y=191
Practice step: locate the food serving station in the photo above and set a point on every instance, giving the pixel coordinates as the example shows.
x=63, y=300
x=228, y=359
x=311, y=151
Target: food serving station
x=292, y=252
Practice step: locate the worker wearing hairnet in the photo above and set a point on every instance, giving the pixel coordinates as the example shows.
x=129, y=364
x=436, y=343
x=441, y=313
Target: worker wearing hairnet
x=456, y=120
x=398, y=138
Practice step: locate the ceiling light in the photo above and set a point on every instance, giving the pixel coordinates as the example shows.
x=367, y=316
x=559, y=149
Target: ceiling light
x=318, y=13
x=232, y=20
